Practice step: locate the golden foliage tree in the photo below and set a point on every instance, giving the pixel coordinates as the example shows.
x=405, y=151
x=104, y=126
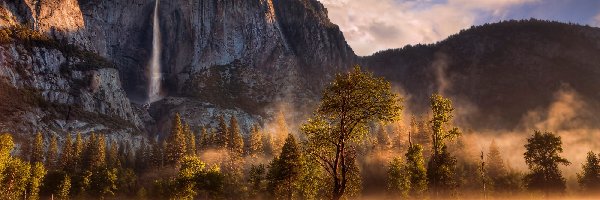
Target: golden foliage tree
x=353, y=100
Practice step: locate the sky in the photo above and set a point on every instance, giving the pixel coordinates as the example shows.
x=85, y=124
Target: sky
x=374, y=25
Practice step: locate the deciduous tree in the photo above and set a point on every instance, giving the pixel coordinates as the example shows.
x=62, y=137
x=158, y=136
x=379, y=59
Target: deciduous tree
x=441, y=166
x=415, y=168
x=353, y=100
x=542, y=158
x=398, y=180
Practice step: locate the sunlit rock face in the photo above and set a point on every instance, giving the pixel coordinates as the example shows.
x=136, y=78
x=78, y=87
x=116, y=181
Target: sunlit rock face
x=238, y=55
x=45, y=89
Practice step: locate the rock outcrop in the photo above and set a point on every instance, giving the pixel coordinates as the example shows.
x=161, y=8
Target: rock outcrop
x=61, y=90
x=233, y=55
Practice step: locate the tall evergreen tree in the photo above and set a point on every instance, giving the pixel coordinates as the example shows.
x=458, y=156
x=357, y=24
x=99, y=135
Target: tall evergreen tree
x=94, y=155
x=285, y=170
x=200, y=137
x=35, y=181
x=176, y=143
x=64, y=188
x=141, y=157
x=112, y=155
x=494, y=167
x=156, y=155
x=255, y=144
x=190, y=139
x=203, y=140
x=66, y=157
x=52, y=153
x=495, y=164
x=222, y=134
x=37, y=152
x=542, y=158
x=78, y=151
x=236, y=140
x=281, y=131
x=589, y=177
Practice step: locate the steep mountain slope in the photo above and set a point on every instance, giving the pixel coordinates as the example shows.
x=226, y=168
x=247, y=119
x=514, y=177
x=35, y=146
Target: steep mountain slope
x=48, y=86
x=246, y=57
x=499, y=72
x=230, y=56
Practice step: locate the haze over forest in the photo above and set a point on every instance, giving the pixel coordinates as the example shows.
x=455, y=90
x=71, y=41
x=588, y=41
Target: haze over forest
x=270, y=99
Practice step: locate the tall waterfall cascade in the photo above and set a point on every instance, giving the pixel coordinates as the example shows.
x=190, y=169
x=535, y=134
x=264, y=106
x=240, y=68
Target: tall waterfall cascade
x=154, y=69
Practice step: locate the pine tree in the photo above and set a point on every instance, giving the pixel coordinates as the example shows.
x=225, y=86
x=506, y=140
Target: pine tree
x=494, y=167
x=156, y=155
x=141, y=157
x=35, y=181
x=257, y=180
x=94, y=155
x=128, y=156
x=103, y=182
x=222, y=135
x=190, y=139
x=64, y=188
x=37, y=153
x=285, y=170
x=52, y=153
x=281, y=132
x=255, y=146
x=165, y=157
x=78, y=151
x=268, y=145
x=176, y=143
x=66, y=157
x=201, y=138
x=589, y=177
x=236, y=140
x=415, y=167
x=112, y=155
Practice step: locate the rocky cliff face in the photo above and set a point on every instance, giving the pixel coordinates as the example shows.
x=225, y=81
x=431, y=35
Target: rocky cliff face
x=236, y=55
x=52, y=88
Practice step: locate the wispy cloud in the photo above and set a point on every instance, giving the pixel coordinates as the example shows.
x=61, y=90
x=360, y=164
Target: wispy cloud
x=373, y=25
x=596, y=21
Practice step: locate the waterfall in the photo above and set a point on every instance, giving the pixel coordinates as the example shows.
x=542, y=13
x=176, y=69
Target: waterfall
x=154, y=72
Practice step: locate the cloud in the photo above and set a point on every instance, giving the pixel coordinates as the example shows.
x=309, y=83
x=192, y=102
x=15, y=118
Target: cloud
x=596, y=21
x=372, y=25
